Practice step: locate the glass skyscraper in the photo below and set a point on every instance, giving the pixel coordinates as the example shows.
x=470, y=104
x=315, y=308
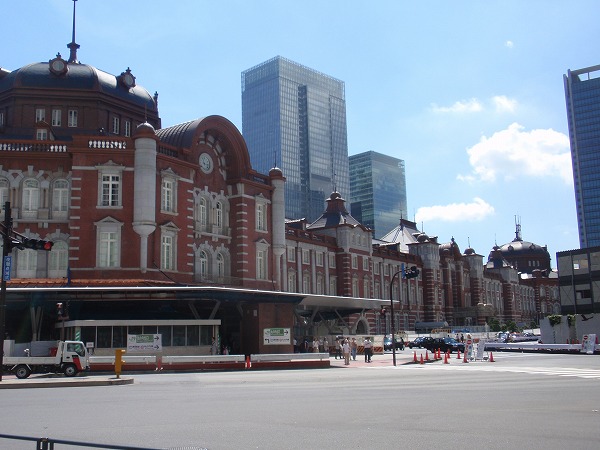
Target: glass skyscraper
x=582, y=92
x=294, y=118
x=377, y=191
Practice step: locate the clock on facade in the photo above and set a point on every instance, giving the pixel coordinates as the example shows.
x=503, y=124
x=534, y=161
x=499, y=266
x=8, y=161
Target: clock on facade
x=206, y=163
x=58, y=66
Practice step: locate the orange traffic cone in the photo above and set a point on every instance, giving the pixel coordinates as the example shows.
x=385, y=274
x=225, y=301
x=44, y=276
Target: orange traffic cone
x=422, y=358
x=426, y=355
x=457, y=354
x=465, y=357
x=415, y=358
x=446, y=358
x=437, y=354
x=248, y=363
x=491, y=357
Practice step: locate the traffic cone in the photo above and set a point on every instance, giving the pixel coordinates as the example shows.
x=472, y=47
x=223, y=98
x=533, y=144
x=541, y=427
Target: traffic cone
x=422, y=358
x=446, y=358
x=415, y=358
x=491, y=357
x=426, y=355
x=457, y=354
x=248, y=363
x=465, y=357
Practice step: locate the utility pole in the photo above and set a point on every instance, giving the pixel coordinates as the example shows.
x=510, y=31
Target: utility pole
x=6, y=263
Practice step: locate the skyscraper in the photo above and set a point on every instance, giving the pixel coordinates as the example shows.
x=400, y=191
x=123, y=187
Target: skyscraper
x=295, y=117
x=377, y=191
x=582, y=92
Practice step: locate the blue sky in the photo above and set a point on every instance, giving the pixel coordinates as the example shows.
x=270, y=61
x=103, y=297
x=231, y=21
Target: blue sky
x=469, y=93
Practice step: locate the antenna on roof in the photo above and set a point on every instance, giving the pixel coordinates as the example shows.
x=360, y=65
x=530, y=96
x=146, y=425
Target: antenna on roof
x=518, y=228
x=73, y=46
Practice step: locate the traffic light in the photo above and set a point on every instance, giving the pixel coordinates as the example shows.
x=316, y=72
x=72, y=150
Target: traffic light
x=413, y=272
x=36, y=244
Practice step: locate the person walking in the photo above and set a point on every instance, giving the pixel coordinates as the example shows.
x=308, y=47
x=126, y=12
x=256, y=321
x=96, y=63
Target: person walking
x=353, y=348
x=315, y=345
x=346, y=351
x=326, y=346
x=338, y=348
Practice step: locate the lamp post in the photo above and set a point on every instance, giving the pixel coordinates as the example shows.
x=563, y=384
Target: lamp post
x=392, y=313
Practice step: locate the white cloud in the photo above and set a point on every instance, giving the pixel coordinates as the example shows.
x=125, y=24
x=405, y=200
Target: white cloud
x=477, y=210
x=462, y=106
x=509, y=44
x=500, y=103
x=504, y=104
x=513, y=153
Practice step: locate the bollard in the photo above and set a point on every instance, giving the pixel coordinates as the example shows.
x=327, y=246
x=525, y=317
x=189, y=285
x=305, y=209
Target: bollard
x=119, y=361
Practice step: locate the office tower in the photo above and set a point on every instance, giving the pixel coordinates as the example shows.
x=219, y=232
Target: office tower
x=295, y=118
x=582, y=92
x=377, y=191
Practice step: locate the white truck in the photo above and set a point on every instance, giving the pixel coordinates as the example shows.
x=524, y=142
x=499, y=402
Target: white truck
x=68, y=357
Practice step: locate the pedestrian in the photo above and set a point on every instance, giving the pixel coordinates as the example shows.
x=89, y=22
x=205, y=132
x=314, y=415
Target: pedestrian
x=462, y=338
x=315, y=345
x=346, y=351
x=338, y=348
x=326, y=346
x=368, y=350
x=321, y=344
x=353, y=348
x=213, y=347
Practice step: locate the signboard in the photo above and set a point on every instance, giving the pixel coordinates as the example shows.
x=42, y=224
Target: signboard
x=277, y=336
x=588, y=344
x=6, y=264
x=144, y=343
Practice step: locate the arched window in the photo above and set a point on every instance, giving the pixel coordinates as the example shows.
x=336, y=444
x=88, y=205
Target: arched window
x=60, y=196
x=203, y=265
x=220, y=265
x=31, y=196
x=58, y=260
x=218, y=214
x=202, y=212
x=292, y=281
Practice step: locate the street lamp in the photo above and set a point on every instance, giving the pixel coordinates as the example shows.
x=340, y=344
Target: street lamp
x=392, y=313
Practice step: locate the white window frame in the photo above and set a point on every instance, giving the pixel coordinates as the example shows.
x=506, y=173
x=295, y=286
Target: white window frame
x=332, y=285
x=365, y=263
x=203, y=264
x=319, y=258
x=167, y=250
x=109, y=189
x=27, y=263
x=261, y=264
x=261, y=215
x=292, y=280
x=116, y=125
x=127, y=128
x=41, y=134
x=72, y=119
x=58, y=260
x=202, y=216
x=219, y=214
x=291, y=254
x=168, y=195
x=220, y=265
x=60, y=196
x=56, y=117
x=332, y=260
x=4, y=193
x=40, y=115
x=355, y=262
x=305, y=256
x=31, y=197
x=108, y=243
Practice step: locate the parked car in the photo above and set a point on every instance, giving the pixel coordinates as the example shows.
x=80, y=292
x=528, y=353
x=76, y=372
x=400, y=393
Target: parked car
x=446, y=344
x=387, y=343
x=420, y=342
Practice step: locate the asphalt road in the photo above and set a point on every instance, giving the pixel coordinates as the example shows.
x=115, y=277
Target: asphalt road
x=519, y=401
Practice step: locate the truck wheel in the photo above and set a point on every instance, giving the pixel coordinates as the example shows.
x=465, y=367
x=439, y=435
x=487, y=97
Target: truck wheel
x=22, y=371
x=70, y=370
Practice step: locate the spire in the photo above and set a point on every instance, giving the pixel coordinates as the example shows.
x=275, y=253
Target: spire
x=517, y=229
x=73, y=46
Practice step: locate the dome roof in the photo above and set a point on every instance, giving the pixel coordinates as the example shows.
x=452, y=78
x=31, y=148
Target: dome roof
x=77, y=77
x=520, y=247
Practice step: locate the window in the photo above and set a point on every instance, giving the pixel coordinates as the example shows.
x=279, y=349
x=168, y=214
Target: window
x=115, y=125
x=220, y=266
x=40, y=115
x=41, y=134
x=1, y=118
x=291, y=281
x=58, y=260
x=376, y=268
x=354, y=262
x=305, y=256
x=333, y=286
x=320, y=285
x=111, y=185
x=127, y=125
x=202, y=264
x=31, y=196
x=219, y=214
x=332, y=261
x=166, y=253
x=366, y=288
x=72, y=118
x=202, y=212
x=319, y=256
x=27, y=263
x=355, y=291
x=261, y=216
x=56, y=118
x=109, y=249
x=168, y=195
x=4, y=189
x=365, y=261
x=60, y=196
x=306, y=283
x=291, y=253
x=261, y=264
